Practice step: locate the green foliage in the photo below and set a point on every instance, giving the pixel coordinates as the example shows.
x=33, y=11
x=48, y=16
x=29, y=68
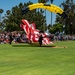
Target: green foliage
x=12, y=27
x=13, y=18
x=69, y=21
x=1, y=11
x=56, y=28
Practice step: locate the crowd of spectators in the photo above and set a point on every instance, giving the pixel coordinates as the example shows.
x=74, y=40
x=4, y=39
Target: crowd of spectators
x=20, y=37
x=61, y=37
x=15, y=37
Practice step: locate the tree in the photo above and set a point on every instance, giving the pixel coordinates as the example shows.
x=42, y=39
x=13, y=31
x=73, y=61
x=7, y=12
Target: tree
x=69, y=21
x=1, y=11
x=56, y=28
x=1, y=24
x=8, y=12
x=13, y=18
x=51, y=1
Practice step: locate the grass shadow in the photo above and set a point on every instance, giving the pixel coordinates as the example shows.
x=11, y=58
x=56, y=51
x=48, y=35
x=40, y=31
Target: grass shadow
x=32, y=45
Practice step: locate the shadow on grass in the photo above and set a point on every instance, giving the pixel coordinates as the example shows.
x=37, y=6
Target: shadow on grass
x=22, y=45
x=31, y=45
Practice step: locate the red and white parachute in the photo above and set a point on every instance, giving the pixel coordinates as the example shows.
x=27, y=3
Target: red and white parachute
x=33, y=33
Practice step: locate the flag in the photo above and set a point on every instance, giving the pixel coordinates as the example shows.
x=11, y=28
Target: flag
x=33, y=33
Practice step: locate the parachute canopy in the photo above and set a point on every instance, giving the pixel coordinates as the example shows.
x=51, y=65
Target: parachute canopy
x=50, y=7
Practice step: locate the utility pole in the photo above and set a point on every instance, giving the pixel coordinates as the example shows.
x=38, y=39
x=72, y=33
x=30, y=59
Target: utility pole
x=51, y=12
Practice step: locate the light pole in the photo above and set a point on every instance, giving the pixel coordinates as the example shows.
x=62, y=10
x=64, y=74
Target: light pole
x=51, y=12
x=0, y=17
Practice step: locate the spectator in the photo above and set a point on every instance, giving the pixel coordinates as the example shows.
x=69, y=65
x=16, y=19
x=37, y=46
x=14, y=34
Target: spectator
x=10, y=38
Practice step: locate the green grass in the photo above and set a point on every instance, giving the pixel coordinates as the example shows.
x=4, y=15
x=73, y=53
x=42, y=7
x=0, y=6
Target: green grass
x=23, y=59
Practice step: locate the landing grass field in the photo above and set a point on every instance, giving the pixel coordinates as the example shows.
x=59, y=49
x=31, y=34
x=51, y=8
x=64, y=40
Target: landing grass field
x=24, y=59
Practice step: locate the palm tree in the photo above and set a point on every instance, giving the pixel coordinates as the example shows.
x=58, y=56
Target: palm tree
x=8, y=12
x=1, y=11
x=51, y=1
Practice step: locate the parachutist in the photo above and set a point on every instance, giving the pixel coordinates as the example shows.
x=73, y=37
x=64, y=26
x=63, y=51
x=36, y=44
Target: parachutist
x=40, y=39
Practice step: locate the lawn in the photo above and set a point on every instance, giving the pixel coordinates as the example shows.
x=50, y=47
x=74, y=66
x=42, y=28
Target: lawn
x=23, y=59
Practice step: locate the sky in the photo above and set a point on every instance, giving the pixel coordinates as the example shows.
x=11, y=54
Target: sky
x=8, y=4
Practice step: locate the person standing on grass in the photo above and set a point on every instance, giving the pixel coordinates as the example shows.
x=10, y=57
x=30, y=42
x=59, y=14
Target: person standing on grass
x=40, y=39
x=10, y=38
